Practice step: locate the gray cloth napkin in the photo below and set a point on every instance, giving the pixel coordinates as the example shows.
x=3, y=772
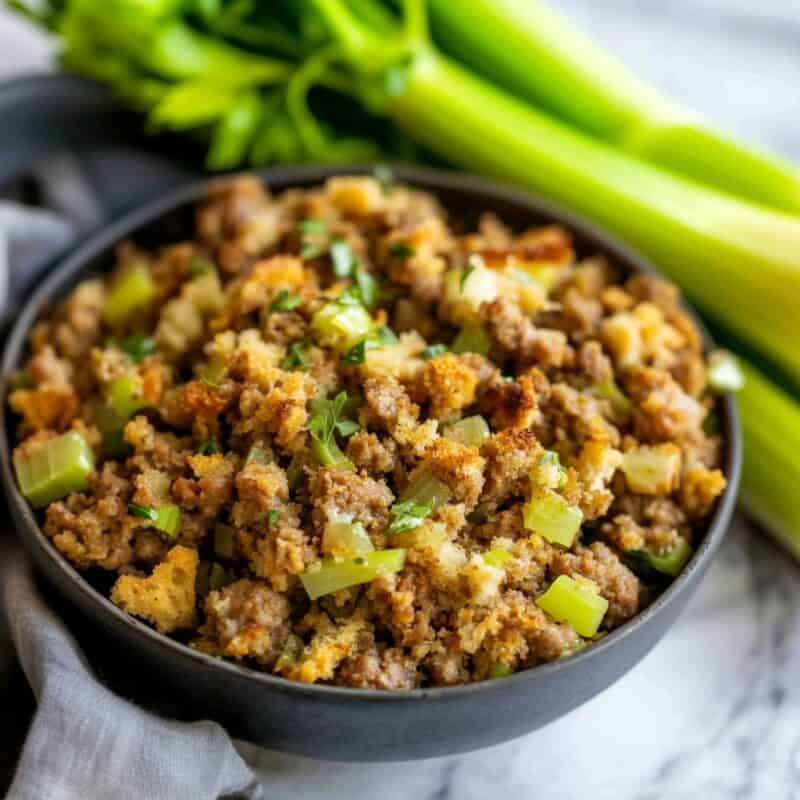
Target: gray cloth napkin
x=85, y=742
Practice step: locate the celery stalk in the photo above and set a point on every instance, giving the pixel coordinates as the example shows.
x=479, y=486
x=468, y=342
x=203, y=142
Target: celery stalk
x=550, y=516
x=132, y=290
x=771, y=469
x=343, y=538
x=530, y=50
x=53, y=469
x=125, y=397
x=332, y=576
x=574, y=602
x=472, y=431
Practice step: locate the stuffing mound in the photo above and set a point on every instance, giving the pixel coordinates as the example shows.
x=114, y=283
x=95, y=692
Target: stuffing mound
x=344, y=438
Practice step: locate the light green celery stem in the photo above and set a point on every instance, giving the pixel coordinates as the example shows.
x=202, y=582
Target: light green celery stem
x=523, y=46
x=771, y=469
x=740, y=262
x=167, y=47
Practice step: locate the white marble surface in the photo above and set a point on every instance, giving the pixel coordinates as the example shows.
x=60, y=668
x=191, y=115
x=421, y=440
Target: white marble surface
x=714, y=711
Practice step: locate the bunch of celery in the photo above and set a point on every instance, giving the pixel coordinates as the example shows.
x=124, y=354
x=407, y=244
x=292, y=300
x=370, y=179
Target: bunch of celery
x=521, y=97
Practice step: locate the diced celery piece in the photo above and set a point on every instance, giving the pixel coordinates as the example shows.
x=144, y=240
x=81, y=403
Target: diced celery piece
x=115, y=446
x=168, y=520
x=291, y=653
x=223, y=540
x=431, y=534
x=294, y=472
x=343, y=539
x=548, y=473
x=257, y=455
x=724, y=373
x=472, y=431
x=497, y=557
x=472, y=339
x=328, y=454
x=500, y=670
x=219, y=577
x=341, y=326
x=111, y=427
x=202, y=579
x=552, y=517
x=653, y=470
x=213, y=371
x=331, y=576
x=125, y=396
x=132, y=290
x=575, y=603
x=426, y=489
x=542, y=272
x=673, y=561
x=609, y=390
x=54, y=469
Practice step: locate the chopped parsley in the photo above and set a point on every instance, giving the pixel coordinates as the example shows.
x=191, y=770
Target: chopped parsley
x=285, y=301
x=401, y=250
x=296, y=358
x=310, y=251
x=408, y=515
x=312, y=233
x=465, y=273
x=137, y=347
x=433, y=350
x=208, y=447
x=342, y=259
x=272, y=517
x=367, y=286
x=357, y=354
x=312, y=226
x=145, y=512
x=345, y=265
x=327, y=419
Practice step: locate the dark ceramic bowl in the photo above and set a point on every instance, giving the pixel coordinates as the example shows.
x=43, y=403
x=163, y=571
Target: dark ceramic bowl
x=328, y=721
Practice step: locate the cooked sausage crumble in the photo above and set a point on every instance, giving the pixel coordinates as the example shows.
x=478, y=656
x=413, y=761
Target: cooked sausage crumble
x=343, y=438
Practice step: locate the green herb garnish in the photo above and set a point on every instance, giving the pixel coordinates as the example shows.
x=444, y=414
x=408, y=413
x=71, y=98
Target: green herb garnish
x=208, y=447
x=295, y=358
x=434, y=350
x=401, y=251
x=327, y=419
x=313, y=226
x=465, y=273
x=137, y=347
x=357, y=354
x=285, y=301
x=342, y=259
x=408, y=515
x=272, y=517
x=144, y=512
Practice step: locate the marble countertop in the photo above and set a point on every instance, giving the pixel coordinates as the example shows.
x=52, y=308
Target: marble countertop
x=713, y=711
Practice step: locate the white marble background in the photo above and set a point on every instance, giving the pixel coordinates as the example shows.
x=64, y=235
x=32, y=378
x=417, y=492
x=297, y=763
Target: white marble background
x=713, y=713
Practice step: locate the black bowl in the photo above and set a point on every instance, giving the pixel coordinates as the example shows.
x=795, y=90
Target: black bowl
x=328, y=721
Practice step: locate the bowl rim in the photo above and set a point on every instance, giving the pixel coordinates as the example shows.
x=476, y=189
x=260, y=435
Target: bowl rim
x=65, y=273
